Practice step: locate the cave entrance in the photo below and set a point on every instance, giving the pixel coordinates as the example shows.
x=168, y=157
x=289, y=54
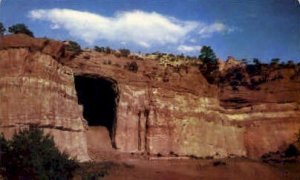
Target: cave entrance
x=99, y=97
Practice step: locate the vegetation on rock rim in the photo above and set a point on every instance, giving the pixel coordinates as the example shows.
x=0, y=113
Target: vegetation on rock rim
x=248, y=75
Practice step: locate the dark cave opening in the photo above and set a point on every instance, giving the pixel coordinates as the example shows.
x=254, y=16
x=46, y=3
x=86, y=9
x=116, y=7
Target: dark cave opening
x=99, y=98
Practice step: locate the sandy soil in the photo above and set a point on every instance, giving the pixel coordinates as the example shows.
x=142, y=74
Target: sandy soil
x=115, y=165
x=195, y=169
x=137, y=167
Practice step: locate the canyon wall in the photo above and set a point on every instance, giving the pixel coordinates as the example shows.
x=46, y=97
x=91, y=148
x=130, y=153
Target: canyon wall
x=36, y=90
x=171, y=111
x=161, y=109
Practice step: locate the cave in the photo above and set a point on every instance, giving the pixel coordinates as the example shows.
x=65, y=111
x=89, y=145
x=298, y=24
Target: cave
x=99, y=98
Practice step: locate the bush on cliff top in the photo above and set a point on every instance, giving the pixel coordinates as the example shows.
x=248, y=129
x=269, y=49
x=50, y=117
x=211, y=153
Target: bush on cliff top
x=73, y=46
x=20, y=29
x=2, y=29
x=32, y=155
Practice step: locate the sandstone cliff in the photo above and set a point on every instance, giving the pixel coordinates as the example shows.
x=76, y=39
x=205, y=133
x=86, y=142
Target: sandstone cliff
x=36, y=90
x=167, y=110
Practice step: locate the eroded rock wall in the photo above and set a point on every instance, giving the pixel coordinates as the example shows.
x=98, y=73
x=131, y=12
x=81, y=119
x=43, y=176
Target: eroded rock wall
x=174, y=111
x=161, y=109
x=36, y=90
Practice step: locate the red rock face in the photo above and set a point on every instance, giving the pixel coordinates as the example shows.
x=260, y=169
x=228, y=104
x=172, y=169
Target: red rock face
x=160, y=109
x=270, y=116
x=163, y=110
x=36, y=90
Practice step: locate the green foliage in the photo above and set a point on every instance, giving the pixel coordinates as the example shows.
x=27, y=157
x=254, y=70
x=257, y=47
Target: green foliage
x=20, y=29
x=255, y=68
x=124, y=52
x=73, y=46
x=275, y=61
x=290, y=63
x=209, y=67
x=256, y=62
x=107, y=50
x=2, y=29
x=99, y=49
x=207, y=55
x=4, y=147
x=32, y=155
x=132, y=66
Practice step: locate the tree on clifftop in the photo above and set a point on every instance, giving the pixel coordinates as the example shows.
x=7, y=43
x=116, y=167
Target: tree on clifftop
x=20, y=29
x=2, y=29
x=72, y=46
x=207, y=55
x=209, y=63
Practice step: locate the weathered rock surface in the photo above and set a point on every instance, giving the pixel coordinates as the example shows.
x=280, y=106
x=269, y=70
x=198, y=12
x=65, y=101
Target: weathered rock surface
x=36, y=90
x=161, y=109
x=166, y=110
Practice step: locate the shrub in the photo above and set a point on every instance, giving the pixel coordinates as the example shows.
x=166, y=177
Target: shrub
x=32, y=155
x=2, y=29
x=290, y=64
x=275, y=62
x=99, y=49
x=255, y=68
x=106, y=50
x=124, y=52
x=73, y=46
x=133, y=66
x=20, y=29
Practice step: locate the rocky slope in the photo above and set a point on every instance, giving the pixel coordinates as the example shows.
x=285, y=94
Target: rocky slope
x=160, y=109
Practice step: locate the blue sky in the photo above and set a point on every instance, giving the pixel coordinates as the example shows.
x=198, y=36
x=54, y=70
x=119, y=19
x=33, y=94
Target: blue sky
x=261, y=29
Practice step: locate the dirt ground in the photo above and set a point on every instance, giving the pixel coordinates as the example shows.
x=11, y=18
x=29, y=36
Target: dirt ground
x=194, y=169
x=130, y=166
x=108, y=163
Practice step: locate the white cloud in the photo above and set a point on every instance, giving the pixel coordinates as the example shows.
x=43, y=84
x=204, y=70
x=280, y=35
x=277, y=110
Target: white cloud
x=132, y=27
x=54, y=26
x=139, y=27
x=188, y=49
x=217, y=27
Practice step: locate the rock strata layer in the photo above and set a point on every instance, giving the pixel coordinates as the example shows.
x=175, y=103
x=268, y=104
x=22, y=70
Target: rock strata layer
x=161, y=109
x=37, y=90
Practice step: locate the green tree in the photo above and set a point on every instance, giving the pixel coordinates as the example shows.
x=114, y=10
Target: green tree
x=32, y=155
x=99, y=49
x=209, y=67
x=255, y=68
x=256, y=61
x=124, y=52
x=2, y=29
x=244, y=61
x=207, y=55
x=20, y=29
x=290, y=63
x=73, y=46
x=275, y=61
